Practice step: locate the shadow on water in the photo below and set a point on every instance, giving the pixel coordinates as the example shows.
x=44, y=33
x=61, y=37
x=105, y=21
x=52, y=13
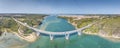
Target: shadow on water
x=40, y=23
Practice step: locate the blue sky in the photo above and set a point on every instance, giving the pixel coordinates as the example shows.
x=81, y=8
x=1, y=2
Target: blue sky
x=60, y=6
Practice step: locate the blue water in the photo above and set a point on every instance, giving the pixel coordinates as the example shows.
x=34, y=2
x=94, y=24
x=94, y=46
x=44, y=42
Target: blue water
x=52, y=23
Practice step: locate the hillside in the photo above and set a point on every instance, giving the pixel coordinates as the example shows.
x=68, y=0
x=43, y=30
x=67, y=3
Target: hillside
x=9, y=25
x=105, y=25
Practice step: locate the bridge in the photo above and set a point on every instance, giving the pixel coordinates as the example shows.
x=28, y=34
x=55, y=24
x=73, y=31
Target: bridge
x=51, y=34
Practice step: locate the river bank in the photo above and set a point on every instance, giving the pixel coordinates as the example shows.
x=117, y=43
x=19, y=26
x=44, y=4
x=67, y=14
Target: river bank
x=29, y=38
x=109, y=26
x=110, y=38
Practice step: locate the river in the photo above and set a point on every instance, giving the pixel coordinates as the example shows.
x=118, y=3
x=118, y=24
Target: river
x=52, y=23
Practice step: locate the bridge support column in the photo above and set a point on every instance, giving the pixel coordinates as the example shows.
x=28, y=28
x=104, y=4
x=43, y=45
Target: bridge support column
x=51, y=37
x=79, y=33
x=38, y=34
x=67, y=36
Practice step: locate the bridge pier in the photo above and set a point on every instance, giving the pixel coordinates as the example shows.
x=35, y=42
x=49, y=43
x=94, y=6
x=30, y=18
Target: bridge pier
x=51, y=37
x=67, y=36
x=38, y=34
x=79, y=33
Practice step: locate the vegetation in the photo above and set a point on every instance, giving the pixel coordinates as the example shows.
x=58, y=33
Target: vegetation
x=6, y=22
x=9, y=24
x=25, y=30
x=81, y=22
x=0, y=32
x=107, y=25
x=111, y=25
x=86, y=21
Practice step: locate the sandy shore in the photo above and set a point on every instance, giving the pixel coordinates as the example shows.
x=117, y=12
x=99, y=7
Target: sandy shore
x=30, y=38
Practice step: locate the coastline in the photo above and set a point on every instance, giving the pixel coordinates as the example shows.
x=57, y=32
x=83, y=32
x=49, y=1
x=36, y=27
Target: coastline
x=110, y=38
x=33, y=37
x=29, y=38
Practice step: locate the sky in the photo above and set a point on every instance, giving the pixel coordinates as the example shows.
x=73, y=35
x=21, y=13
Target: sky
x=60, y=6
